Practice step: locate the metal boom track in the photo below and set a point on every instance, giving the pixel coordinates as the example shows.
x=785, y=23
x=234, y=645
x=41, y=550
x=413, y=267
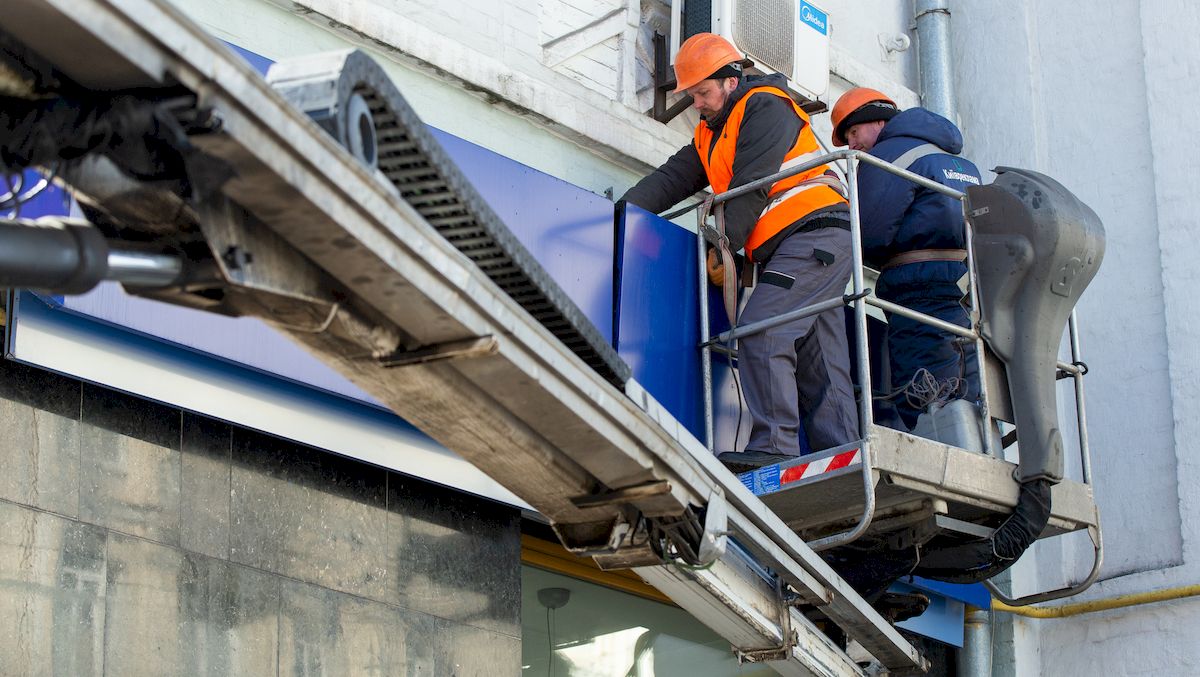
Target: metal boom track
x=417, y=323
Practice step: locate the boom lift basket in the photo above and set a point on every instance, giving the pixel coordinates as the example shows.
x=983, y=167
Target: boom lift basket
x=961, y=515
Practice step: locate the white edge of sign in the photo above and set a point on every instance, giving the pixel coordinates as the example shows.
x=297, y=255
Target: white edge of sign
x=66, y=343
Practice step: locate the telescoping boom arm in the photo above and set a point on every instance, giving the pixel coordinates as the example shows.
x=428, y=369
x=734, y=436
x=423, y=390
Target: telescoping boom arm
x=322, y=206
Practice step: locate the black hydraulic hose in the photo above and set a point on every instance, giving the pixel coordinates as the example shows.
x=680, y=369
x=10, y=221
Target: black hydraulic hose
x=871, y=570
x=142, y=131
x=65, y=258
x=980, y=560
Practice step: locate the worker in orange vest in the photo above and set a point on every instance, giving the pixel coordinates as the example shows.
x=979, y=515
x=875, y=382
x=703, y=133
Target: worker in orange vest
x=795, y=233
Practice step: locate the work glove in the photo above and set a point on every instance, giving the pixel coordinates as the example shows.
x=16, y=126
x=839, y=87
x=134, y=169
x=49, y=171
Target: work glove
x=716, y=271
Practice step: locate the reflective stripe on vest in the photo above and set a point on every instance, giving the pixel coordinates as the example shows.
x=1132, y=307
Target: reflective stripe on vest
x=781, y=199
x=800, y=159
x=793, y=197
x=917, y=152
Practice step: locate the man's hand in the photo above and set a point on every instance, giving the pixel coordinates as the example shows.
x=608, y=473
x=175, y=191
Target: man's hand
x=716, y=271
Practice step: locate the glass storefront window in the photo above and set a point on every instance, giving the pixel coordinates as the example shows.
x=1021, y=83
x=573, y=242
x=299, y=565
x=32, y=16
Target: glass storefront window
x=594, y=631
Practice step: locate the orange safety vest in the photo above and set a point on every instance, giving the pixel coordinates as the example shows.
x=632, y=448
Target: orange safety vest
x=791, y=198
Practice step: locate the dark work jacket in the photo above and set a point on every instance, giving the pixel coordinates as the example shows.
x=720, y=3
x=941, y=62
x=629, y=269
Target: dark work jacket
x=900, y=216
x=769, y=129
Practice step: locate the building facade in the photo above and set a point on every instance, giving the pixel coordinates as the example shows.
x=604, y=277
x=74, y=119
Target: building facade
x=176, y=543
x=1039, y=86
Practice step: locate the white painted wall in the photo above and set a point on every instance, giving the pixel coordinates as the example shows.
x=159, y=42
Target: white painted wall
x=560, y=85
x=1094, y=94
x=1038, y=90
x=1098, y=96
x=475, y=86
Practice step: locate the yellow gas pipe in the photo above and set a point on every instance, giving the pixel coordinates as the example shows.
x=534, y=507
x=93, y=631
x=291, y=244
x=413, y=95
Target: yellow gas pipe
x=1117, y=602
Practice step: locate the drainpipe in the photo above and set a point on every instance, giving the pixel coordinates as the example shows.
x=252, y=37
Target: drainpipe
x=933, y=56
x=975, y=657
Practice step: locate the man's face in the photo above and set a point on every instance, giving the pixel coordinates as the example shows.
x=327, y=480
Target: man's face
x=863, y=135
x=709, y=96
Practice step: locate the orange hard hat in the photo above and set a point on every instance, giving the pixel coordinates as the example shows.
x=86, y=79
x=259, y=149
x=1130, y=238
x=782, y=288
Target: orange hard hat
x=853, y=100
x=700, y=56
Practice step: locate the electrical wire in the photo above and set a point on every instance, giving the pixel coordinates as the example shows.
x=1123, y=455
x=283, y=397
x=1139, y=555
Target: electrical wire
x=737, y=384
x=13, y=191
x=924, y=389
x=549, y=642
x=18, y=196
x=690, y=567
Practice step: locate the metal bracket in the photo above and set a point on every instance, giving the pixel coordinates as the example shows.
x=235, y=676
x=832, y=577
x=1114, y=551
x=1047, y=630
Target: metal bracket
x=712, y=536
x=664, y=83
x=711, y=234
x=790, y=637
x=622, y=496
x=450, y=350
x=851, y=298
x=716, y=527
x=1078, y=364
x=947, y=523
x=777, y=653
x=623, y=544
x=620, y=530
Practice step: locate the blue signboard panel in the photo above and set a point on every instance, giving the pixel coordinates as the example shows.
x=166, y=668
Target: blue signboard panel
x=975, y=594
x=567, y=229
x=658, y=324
x=243, y=340
x=258, y=61
x=658, y=313
x=98, y=352
x=943, y=620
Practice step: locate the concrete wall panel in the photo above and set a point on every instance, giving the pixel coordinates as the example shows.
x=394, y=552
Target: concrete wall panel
x=1037, y=90
x=200, y=550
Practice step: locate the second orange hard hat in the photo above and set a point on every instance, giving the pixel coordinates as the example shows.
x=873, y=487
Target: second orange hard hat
x=700, y=56
x=853, y=100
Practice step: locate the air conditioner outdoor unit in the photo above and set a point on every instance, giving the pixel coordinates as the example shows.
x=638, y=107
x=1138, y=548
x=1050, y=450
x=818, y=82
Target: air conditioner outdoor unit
x=781, y=36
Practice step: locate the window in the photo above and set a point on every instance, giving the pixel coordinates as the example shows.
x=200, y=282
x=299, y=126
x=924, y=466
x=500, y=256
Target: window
x=608, y=626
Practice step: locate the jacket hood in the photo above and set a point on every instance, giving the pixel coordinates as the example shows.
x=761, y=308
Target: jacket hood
x=929, y=127
x=748, y=82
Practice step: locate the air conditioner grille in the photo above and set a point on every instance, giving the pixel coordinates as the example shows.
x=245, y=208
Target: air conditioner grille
x=697, y=18
x=766, y=29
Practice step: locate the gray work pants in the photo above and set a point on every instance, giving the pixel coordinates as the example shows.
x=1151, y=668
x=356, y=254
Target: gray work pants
x=799, y=370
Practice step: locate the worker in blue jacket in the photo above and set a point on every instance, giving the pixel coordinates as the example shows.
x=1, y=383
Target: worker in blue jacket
x=916, y=238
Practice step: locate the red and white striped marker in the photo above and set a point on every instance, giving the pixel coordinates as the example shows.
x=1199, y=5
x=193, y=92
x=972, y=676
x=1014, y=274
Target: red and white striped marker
x=807, y=470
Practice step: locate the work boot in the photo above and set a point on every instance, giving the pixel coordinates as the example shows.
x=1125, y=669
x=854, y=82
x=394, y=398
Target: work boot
x=901, y=606
x=739, y=462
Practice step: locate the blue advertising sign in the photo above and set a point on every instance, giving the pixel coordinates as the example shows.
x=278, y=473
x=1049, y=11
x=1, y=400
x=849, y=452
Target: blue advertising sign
x=567, y=229
x=658, y=324
x=658, y=315
x=943, y=620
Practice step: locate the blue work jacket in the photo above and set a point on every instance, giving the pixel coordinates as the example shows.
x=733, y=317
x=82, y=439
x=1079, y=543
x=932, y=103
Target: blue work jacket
x=899, y=216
